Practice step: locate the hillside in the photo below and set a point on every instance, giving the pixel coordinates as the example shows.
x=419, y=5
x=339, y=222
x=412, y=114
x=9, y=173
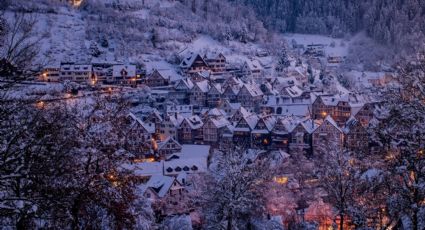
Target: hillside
x=398, y=23
x=131, y=30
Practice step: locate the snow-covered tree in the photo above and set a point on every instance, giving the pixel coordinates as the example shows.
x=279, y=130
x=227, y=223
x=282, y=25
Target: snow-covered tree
x=339, y=177
x=233, y=194
x=94, y=50
x=282, y=61
x=400, y=132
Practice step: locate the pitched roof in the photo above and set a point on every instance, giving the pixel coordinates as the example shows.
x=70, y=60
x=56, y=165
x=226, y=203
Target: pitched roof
x=160, y=184
x=203, y=86
x=253, y=89
x=253, y=65
x=166, y=141
x=149, y=127
x=219, y=122
x=187, y=61
x=195, y=122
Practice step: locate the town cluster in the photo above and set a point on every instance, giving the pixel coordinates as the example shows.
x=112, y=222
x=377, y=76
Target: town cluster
x=210, y=105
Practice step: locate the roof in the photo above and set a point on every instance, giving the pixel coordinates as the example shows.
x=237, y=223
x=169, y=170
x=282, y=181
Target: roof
x=168, y=140
x=176, y=119
x=253, y=89
x=187, y=82
x=212, y=55
x=216, y=112
x=203, y=86
x=187, y=61
x=195, y=122
x=332, y=122
x=144, y=168
x=310, y=125
x=219, y=122
x=149, y=127
x=253, y=65
x=160, y=184
x=130, y=69
x=333, y=100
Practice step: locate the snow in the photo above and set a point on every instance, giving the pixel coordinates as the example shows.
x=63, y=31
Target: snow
x=308, y=39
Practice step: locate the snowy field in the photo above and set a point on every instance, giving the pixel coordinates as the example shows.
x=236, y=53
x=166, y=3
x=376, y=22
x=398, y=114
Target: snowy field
x=340, y=48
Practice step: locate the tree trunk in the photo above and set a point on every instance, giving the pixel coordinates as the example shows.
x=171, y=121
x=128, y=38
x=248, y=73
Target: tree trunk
x=341, y=222
x=415, y=220
x=229, y=223
x=75, y=213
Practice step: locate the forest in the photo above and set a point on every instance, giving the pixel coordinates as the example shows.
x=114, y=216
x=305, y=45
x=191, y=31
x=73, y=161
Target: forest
x=399, y=23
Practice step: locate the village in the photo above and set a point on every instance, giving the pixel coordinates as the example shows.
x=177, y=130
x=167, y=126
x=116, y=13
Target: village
x=210, y=105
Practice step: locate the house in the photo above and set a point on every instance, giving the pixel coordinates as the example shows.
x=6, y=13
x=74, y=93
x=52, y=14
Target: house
x=302, y=135
x=243, y=128
x=216, y=62
x=285, y=105
x=167, y=147
x=240, y=113
x=280, y=134
x=250, y=96
x=356, y=136
x=50, y=74
x=229, y=108
x=253, y=69
x=154, y=117
x=213, y=128
x=124, y=74
x=193, y=63
x=336, y=106
x=214, y=96
x=140, y=133
x=191, y=159
x=182, y=90
x=198, y=94
x=261, y=134
x=170, y=125
x=184, y=110
x=315, y=50
x=161, y=187
x=80, y=73
x=157, y=79
x=365, y=114
x=190, y=130
x=328, y=134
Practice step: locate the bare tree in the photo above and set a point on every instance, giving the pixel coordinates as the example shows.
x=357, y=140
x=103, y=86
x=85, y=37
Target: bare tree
x=20, y=41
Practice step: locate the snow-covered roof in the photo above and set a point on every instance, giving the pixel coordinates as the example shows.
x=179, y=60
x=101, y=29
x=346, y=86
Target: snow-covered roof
x=220, y=122
x=144, y=168
x=253, y=89
x=176, y=119
x=253, y=65
x=186, y=81
x=333, y=100
x=310, y=125
x=332, y=122
x=195, y=122
x=130, y=70
x=216, y=112
x=203, y=86
x=294, y=91
x=169, y=74
x=160, y=184
x=149, y=127
x=163, y=143
x=187, y=61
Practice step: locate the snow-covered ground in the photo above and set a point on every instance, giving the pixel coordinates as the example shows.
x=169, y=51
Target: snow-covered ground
x=333, y=46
